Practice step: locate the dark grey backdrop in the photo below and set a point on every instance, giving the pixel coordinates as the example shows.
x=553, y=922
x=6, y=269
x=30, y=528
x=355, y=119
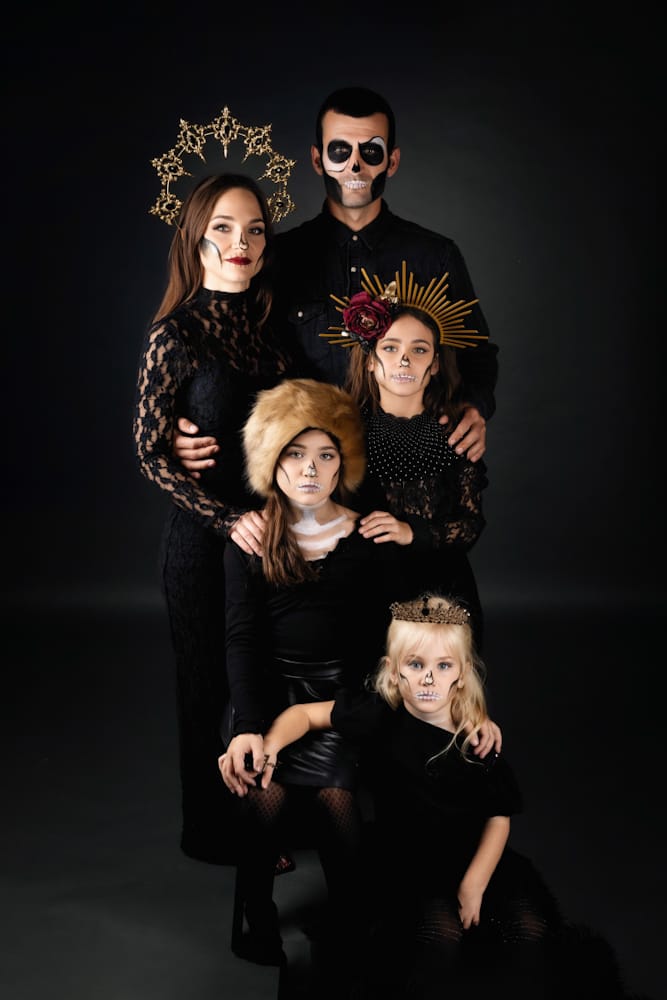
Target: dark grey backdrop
x=528, y=136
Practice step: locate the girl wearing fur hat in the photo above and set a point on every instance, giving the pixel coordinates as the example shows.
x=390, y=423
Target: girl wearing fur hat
x=287, y=635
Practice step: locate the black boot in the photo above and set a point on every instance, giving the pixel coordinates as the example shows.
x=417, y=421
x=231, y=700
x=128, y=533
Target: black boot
x=262, y=944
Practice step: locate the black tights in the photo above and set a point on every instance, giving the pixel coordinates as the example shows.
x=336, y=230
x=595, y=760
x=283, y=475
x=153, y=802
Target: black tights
x=507, y=955
x=334, y=819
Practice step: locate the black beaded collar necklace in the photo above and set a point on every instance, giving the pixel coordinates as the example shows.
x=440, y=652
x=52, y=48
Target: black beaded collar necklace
x=401, y=448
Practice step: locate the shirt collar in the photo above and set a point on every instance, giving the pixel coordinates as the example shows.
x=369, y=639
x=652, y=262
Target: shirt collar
x=369, y=235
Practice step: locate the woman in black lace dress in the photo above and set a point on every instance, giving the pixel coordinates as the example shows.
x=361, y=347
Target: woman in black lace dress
x=207, y=353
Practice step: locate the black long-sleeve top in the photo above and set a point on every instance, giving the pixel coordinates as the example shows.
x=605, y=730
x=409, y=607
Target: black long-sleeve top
x=342, y=615
x=323, y=257
x=205, y=361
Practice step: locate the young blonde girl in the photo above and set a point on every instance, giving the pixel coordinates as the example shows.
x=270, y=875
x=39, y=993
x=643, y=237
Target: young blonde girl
x=452, y=903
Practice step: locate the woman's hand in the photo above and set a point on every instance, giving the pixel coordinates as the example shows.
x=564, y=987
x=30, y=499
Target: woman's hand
x=242, y=763
x=248, y=531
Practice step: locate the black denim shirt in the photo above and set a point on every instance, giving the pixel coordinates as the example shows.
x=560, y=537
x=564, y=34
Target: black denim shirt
x=322, y=256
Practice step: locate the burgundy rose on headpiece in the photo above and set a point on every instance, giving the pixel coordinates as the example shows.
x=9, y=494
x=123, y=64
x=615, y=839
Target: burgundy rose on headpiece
x=369, y=314
x=367, y=318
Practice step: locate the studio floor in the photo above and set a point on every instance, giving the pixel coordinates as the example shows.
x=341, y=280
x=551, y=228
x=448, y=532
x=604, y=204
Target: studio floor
x=98, y=903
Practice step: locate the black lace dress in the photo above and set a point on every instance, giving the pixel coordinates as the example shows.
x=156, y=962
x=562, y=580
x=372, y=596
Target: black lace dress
x=205, y=361
x=415, y=474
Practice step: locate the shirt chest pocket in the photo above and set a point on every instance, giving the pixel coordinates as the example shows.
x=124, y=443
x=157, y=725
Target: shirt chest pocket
x=309, y=320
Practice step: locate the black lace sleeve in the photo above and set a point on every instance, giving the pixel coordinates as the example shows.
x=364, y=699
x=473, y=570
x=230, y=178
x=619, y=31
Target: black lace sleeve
x=461, y=521
x=164, y=368
x=445, y=511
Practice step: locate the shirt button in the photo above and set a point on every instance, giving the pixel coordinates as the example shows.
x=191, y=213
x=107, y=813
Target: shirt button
x=353, y=269
x=355, y=238
x=300, y=314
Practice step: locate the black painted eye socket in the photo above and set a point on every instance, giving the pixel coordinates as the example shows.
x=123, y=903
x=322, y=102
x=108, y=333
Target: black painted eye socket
x=339, y=152
x=372, y=153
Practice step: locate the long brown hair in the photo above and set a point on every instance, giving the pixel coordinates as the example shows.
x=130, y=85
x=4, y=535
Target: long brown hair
x=283, y=562
x=185, y=269
x=440, y=395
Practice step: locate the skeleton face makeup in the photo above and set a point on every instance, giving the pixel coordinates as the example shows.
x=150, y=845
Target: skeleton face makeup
x=338, y=152
x=403, y=363
x=208, y=248
x=309, y=469
x=427, y=679
x=354, y=158
x=232, y=248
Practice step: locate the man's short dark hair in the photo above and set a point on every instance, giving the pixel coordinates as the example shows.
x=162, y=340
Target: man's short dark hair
x=357, y=102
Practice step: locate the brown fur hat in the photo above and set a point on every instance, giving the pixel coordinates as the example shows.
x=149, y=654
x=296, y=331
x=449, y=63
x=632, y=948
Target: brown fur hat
x=281, y=413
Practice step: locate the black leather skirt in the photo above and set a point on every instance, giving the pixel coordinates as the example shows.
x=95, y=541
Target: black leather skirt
x=321, y=758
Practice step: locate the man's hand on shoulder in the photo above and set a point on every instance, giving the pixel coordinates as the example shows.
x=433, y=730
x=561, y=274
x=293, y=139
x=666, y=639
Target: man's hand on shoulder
x=194, y=453
x=469, y=436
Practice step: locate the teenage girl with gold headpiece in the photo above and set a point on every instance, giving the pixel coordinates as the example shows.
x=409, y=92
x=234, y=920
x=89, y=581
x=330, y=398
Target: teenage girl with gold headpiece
x=418, y=492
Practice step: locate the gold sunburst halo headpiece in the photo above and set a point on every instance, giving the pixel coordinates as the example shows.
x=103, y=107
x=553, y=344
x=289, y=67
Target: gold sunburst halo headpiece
x=225, y=129
x=430, y=610
x=368, y=315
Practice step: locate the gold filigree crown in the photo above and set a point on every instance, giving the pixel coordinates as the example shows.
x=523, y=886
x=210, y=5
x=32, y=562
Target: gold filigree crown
x=431, y=610
x=369, y=314
x=225, y=129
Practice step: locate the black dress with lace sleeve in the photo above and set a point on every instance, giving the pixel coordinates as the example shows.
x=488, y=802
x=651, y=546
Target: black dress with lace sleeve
x=205, y=361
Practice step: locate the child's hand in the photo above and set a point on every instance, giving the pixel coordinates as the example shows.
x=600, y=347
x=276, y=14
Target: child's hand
x=269, y=766
x=470, y=905
x=382, y=526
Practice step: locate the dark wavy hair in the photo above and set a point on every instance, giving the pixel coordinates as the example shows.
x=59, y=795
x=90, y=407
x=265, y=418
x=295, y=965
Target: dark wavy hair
x=357, y=102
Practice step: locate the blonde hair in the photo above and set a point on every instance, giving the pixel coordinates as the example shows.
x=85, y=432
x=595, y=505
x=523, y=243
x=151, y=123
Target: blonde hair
x=468, y=700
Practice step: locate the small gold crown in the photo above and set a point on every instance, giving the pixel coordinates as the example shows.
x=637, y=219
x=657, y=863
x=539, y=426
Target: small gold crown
x=431, y=299
x=225, y=129
x=431, y=610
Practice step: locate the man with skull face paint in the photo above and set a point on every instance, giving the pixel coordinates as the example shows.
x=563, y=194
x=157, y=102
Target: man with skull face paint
x=355, y=153
x=342, y=156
